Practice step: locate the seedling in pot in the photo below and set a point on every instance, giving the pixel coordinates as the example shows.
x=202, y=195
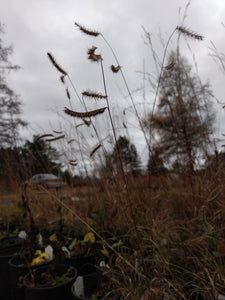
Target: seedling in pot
x=48, y=278
x=82, y=247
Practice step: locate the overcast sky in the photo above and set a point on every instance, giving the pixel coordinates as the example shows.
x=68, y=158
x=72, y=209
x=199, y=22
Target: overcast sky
x=37, y=27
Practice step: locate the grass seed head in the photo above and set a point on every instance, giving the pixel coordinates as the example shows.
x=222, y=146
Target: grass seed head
x=92, y=56
x=94, y=95
x=87, y=31
x=187, y=32
x=115, y=69
x=82, y=115
x=56, y=65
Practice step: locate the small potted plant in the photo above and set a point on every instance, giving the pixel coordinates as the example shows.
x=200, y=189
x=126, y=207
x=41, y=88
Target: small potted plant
x=31, y=255
x=93, y=281
x=21, y=264
x=52, y=282
x=81, y=251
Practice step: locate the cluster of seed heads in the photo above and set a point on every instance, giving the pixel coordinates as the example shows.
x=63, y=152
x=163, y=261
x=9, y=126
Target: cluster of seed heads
x=96, y=58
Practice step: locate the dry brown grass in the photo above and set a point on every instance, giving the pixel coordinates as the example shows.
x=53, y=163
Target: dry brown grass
x=172, y=228
x=179, y=249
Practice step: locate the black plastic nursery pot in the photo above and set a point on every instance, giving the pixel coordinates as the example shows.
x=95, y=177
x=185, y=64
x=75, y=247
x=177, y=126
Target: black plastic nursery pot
x=18, y=268
x=79, y=261
x=59, y=291
x=6, y=253
x=78, y=297
x=91, y=279
x=7, y=228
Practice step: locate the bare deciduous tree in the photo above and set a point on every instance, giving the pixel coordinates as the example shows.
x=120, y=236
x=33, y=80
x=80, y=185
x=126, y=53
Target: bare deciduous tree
x=183, y=120
x=10, y=105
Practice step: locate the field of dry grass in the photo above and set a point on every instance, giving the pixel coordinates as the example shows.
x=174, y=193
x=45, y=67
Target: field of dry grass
x=170, y=228
x=173, y=237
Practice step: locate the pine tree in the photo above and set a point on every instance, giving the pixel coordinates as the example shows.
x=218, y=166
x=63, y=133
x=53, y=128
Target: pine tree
x=129, y=156
x=39, y=157
x=155, y=164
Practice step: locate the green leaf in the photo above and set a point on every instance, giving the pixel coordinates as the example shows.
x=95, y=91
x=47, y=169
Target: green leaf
x=100, y=242
x=82, y=242
x=72, y=245
x=117, y=244
x=105, y=252
x=89, y=237
x=53, y=237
